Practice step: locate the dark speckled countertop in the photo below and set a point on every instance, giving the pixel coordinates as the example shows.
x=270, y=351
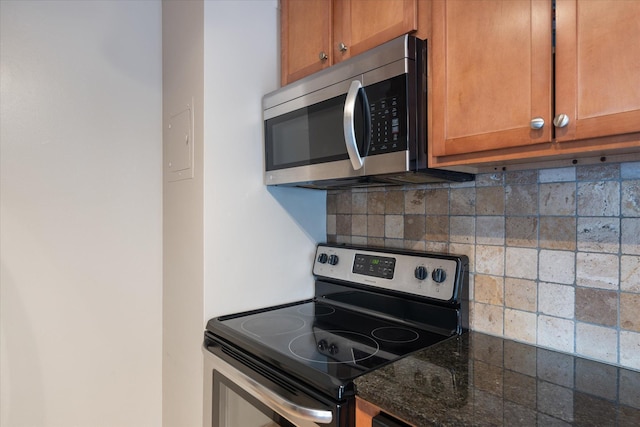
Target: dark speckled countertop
x=482, y=380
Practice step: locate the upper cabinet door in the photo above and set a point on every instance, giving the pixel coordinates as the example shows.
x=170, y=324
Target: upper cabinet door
x=597, y=67
x=306, y=37
x=360, y=25
x=491, y=75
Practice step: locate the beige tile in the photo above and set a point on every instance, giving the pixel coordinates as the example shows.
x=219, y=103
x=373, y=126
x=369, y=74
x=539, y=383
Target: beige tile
x=437, y=201
x=359, y=240
x=437, y=228
x=414, y=201
x=331, y=202
x=375, y=226
x=599, y=198
x=630, y=241
x=520, y=325
x=394, y=202
x=331, y=224
x=521, y=199
x=490, y=260
x=556, y=300
x=415, y=245
x=489, y=179
x=558, y=199
x=630, y=273
x=602, y=172
x=597, y=270
x=342, y=239
x=521, y=294
x=522, y=231
x=359, y=202
x=431, y=246
x=490, y=230
x=598, y=234
x=488, y=318
x=558, y=232
x=343, y=224
x=358, y=225
x=462, y=201
x=462, y=229
x=557, y=266
x=630, y=349
x=394, y=243
x=490, y=201
x=630, y=170
x=597, y=306
x=376, y=202
x=394, y=227
x=414, y=227
x=521, y=177
x=378, y=242
x=557, y=175
x=629, y=311
x=631, y=198
x=465, y=249
x=489, y=289
x=343, y=202
x=597, y=342
x=522, y=263
x=556, y=333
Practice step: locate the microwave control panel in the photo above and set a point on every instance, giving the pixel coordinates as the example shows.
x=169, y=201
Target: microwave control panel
x=388, y=106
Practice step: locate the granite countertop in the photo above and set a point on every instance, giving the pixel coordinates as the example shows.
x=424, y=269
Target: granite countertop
x=482, y=380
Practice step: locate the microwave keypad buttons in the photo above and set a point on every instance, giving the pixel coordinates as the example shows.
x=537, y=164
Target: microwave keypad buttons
x=385, y=124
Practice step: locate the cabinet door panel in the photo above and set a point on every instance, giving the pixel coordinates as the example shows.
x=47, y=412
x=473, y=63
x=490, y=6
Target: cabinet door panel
x=306, y=31
x=491, y=74
x=598, y=67
x=364, y=24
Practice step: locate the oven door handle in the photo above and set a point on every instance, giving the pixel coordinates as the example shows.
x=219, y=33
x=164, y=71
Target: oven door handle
x=285, y=406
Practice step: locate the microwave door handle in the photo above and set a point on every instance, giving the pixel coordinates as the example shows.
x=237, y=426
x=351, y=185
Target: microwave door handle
x=349, y=125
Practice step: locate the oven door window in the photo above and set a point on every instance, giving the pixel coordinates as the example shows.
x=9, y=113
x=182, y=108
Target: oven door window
x=235, y=407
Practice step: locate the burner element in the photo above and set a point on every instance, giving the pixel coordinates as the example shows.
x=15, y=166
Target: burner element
x=271, y=325
x=333, y=347
x=316, y=309
x=395, y=334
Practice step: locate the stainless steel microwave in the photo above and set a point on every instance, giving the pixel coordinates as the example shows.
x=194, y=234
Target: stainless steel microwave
x=361, y=122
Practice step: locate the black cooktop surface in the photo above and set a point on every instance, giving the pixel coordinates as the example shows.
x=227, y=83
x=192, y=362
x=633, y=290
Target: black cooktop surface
x=321, y=343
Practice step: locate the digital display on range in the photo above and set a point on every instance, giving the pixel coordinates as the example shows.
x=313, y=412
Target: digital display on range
x=375, y=266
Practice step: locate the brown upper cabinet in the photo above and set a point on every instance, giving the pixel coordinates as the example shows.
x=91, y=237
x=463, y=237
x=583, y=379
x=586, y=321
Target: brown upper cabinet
x=497, y=94
x=319, y=33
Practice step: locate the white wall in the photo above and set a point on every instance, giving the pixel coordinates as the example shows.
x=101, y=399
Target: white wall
x=80, y=219
x=259, y=242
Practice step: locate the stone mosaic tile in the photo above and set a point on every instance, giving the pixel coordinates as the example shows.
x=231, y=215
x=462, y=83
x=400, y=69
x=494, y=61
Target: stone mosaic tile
x=414, y=202
x=557, y=175
x=521, y=199
x=394, y=243
x=488, y=318
x=630, y=274
x=522, y=263
x=376, y=241
x=359, y=240
x=394, y=202
x=415, y=245
x=556, y=333
x=490, y=230
x=521, y=294
x=394, y=227
x=437, y=201
x=556, y=300
x=629, y=311
x=629, y=350
x=436, y=246
x=520, y=325
x=462, y=229
x=462, y=201
x=490, y=201
x=359, y=203
x=522, y=231
x=489, y=179
x=359, y=225
x=597, y=306
x=376, y=202
x=343, y=202
x=375, y=226
x=343, y=224
x=599, y=198
x=558, y=232
x=557, y=266
x=490, y=260
x=465, y=249
x=630, y=241
x=437, y=228
x=601, y=172
x=331, y=202
x=331, y=224
x=597, y=342
x=597, y=270
x=414, y=227
x=630, y=170
x=598, y=234
x=489, y=289
x=631, y=198
x=558, y=199
x=521, y=177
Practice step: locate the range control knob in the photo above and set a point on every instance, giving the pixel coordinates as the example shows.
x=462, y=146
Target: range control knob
x=333, y=349
x=420, y=272
x=322, y=258
x=333, y=259
x=439, y=275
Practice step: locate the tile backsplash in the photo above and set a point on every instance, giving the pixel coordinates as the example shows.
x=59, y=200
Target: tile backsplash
x=554, y=253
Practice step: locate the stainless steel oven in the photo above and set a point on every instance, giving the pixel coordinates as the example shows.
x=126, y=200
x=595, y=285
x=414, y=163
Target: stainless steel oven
x=295, y=364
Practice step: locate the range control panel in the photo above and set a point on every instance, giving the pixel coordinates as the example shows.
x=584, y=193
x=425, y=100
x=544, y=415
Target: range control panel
x=430, y=275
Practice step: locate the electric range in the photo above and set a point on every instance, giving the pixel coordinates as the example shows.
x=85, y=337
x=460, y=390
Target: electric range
x=371, y=307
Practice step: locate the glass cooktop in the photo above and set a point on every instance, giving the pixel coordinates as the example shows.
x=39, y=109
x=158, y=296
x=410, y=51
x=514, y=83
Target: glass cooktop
x=325, y=344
